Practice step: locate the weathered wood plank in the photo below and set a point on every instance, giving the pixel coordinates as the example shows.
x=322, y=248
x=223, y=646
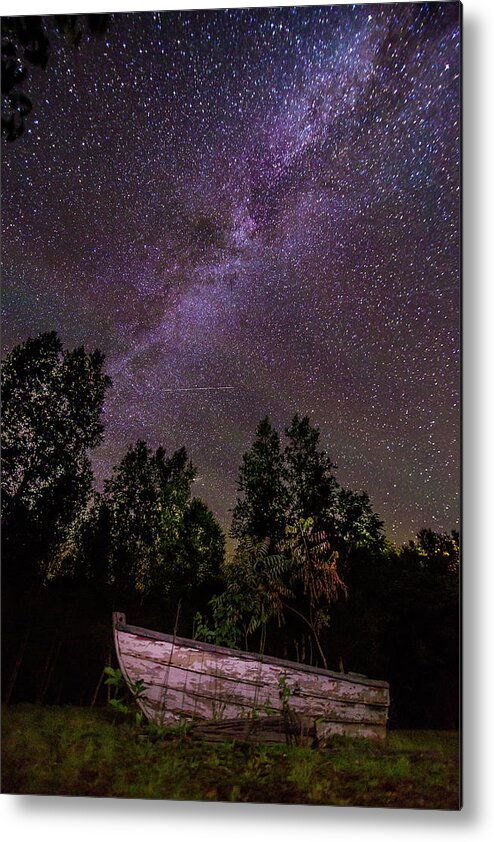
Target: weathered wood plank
x=180, y=642
x=158, y=654
x=326, y=730
x=183, y=681
x=281, y=730
x=193, y=690
x=209, y=706
x=272, y=729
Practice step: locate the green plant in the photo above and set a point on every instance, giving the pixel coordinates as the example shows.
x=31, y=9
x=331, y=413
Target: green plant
x=284, y=692
x=226, y=609
x=218, y=710
x=120, y=703
x=78, y=751
x=267, y=706
x=315, y=566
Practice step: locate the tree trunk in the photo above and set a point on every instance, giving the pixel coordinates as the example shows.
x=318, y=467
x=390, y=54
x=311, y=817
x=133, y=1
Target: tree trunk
x=49, y=667
x=18, y=662
x=31, y=602
x=316, y=638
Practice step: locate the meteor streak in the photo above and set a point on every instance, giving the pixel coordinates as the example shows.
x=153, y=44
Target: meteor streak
x=200, y=389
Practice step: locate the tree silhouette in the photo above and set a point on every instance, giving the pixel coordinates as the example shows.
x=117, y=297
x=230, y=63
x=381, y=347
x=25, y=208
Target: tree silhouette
x=259, y=511
x=277, y=488
x=52, y=404
x=26, y=43
x=164, y=545
x=312, y=487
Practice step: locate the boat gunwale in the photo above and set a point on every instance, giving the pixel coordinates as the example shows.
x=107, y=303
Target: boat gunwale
x=248, y=656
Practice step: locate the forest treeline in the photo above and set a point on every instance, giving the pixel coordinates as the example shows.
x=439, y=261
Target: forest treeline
x=312, y=577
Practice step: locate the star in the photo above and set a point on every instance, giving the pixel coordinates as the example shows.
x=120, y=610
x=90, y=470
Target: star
x=264, y=199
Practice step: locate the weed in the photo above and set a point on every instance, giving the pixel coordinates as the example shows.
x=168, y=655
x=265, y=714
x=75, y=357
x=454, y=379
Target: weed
x=284, y=692
x=118, y=702
x=81, y=751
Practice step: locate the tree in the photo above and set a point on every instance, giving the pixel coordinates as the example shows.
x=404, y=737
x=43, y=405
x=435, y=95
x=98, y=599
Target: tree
x=439, y=552
x=353, y=524
x=421, y=632
x=84, y=555
x=204, y=547
x=255, y=592
x=52, y=405
x=291, y=497
x=299, y=576
x=164, y=546
x=311, y=486
x=315, y=567
x=26, y=43
x=259, y=511
x=278, y=488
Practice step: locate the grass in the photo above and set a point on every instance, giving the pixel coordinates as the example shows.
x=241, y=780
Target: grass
x=78, y=751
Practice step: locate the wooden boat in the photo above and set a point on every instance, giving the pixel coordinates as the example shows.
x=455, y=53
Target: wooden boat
x=187, y=680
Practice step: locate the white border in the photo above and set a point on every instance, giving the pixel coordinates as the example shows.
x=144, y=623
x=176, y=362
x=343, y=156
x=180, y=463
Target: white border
x=55, y=818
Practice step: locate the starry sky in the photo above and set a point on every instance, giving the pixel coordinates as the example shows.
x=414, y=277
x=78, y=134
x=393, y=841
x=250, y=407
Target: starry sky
x=261, y=204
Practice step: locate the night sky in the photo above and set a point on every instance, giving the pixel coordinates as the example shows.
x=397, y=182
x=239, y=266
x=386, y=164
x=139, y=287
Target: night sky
x=265, y=200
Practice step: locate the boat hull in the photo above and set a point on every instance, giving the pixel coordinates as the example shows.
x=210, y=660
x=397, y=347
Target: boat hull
x=186, y=680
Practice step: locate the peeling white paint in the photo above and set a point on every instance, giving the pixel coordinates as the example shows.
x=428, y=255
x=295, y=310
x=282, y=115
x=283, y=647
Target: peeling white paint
x=184, y=680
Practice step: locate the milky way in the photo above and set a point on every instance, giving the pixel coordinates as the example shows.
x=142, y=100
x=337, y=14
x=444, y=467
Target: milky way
x=264, y=200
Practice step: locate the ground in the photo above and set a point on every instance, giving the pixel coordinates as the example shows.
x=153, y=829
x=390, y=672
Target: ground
x=84, y=752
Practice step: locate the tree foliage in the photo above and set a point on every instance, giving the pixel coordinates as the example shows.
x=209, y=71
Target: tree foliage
x=26, y=44
x=420, y=640
x=258, y=581
x=315, y=564
x=299, y=575
x=280, y=487
x=311, y=485
x=52, y=402
x=164, y=545
x=259, y=509
x=312, y=577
